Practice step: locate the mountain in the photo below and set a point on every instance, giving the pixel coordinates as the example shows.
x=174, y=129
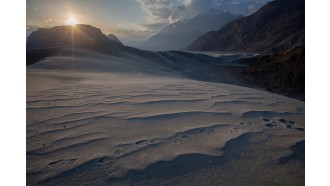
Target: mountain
x=30, y=29
x=134, y=43
x=279, y=72
x=180, y=34
x=68, y=41
x=81, y=36
x=47, y=42
x=277, y=26
x=114, y=39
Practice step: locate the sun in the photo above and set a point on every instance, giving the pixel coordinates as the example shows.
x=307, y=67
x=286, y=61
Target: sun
x=72, y=21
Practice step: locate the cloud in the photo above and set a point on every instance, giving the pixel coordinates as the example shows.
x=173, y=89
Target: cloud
x=28, y=27
x=196, y=7
x=134, y=32
x=47, y=20
x=169, y=11
x=252, y=7
x=160, y=11
x=153, y=26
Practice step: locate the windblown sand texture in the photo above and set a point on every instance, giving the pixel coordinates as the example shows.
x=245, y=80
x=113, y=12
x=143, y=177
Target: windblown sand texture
x=97, y=119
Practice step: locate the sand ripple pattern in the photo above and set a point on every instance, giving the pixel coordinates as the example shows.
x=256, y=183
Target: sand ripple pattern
x=80, y=128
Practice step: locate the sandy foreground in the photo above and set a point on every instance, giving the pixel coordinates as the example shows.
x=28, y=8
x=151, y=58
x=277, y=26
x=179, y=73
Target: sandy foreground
x=102, y=120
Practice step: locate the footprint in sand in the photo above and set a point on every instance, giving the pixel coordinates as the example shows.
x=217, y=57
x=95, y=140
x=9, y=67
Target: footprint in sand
x=270, y=125
x=182, y=139
x=291, y=122
x=235, y=129
x=109, y=158
x=300, y=129
x=265, y=119
x=210, y=131
x=289, y=126
x=61, y=162
x=105, y=159
x=283, y=120
x=144, y=142
x=293, y=128
x=245, y=123
x=207, y=131
x=242, y=125
x=287, y=121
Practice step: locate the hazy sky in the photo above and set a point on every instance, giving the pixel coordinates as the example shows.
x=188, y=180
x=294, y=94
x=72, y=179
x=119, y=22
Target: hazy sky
x=130, y=20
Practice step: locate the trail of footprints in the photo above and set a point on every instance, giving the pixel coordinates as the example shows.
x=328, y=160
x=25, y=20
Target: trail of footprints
x=145, y=142
x=109, y=158
x=184, y=137
x=242, y=125
x=287, y=123
x=116, y=154
x=181, y=139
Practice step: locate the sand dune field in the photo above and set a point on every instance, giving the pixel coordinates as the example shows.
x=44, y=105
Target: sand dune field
x=102, y=120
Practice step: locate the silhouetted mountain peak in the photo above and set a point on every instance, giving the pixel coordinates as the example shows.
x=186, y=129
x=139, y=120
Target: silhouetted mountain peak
x=114, y=39
x=80, y=35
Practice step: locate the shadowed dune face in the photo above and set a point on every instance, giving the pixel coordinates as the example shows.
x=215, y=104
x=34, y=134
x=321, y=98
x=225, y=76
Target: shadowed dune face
x=127, y=61
x=101, y=120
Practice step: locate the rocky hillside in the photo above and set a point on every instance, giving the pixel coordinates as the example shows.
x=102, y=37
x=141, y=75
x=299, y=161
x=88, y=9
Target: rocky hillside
x=280, y=72
x=277, y=26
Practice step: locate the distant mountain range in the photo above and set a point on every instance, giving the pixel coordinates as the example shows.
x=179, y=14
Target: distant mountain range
x=277, y=26
x=180, y=34
x=65, y=40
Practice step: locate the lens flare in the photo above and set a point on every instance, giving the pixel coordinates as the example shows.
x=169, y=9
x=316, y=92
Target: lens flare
x=72, y=21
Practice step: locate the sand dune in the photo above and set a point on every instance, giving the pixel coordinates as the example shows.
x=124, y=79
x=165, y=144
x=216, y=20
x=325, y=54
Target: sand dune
x=105, y=120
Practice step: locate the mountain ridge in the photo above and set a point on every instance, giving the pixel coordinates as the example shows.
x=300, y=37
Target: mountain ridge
x=80, y=35
x=180, y=34
x=114, y=39
x=277, y=26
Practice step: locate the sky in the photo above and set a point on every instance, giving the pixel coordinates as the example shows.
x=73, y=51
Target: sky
x=130, y=20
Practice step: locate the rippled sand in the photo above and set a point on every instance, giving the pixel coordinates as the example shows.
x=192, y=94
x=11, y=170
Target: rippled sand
x=116, y=127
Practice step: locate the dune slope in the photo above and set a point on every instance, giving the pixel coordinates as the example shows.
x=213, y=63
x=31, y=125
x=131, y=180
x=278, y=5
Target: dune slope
x=96, y=119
